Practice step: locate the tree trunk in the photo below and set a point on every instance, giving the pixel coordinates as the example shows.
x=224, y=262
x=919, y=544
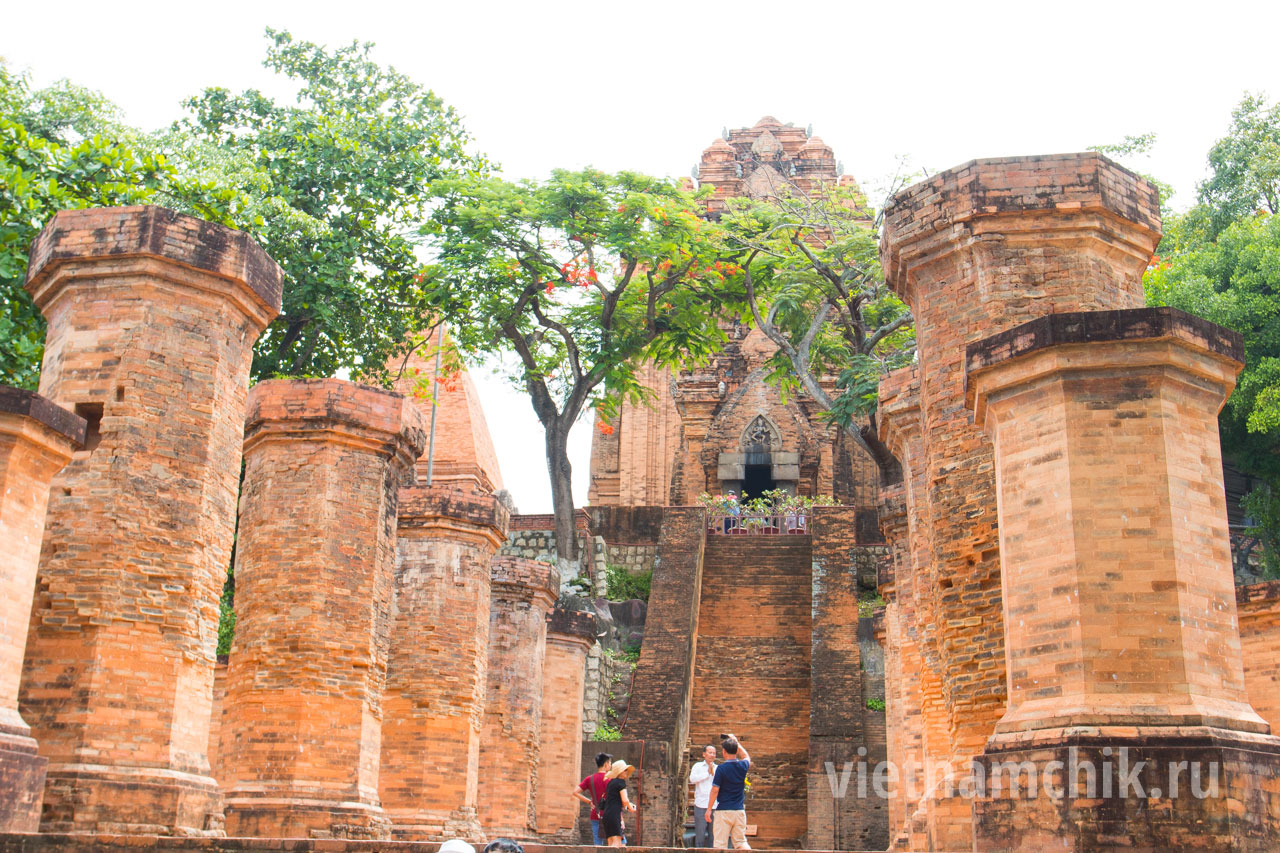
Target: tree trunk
x=567, y=557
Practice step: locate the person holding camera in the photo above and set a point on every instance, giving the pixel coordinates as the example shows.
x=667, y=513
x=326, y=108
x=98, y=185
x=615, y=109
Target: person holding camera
x=728, y=795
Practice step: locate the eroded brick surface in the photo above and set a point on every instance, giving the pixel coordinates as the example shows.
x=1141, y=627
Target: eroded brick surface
x=570, y=634
x=152, y=318
x=1258, y=608
x=436, y=678
x=522, y=593
x=301, y=738
x=976, y=250
x=36, y=441
x=1120, y=628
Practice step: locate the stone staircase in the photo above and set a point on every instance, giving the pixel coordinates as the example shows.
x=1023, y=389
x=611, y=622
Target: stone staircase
x=752, y=672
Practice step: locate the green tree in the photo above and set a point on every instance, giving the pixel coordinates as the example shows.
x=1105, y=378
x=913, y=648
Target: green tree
x=581, y=278
x=814, y=286
x=1235, y=282
x=64, y=147
x=1245, y=166
x=344, y=180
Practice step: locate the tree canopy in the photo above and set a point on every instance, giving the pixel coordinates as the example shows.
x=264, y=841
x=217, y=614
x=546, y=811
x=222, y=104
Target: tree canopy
x=813, y=284
x=579, y=279
x=64, y=147
x=347, y=176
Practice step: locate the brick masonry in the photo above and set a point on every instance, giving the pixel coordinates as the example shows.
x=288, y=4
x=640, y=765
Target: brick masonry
x=976, y=250
x=522, y=593
x=437, y=672
x=658, y=715
x=1120, y=628
x=839, y=719
x=1258, y=608
x=668, y=449
x=301, y=738
x=37, y=439
x=152, y=318
x=570, y=634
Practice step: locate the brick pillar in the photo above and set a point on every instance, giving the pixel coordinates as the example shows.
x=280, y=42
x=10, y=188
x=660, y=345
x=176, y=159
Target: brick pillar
x=975, y=250
x=1258, y=606
x=37, y=439
x=436, y=676
x=522, y=594
x=1118, y=590
x=570, y=635
x=324, y=462
x=836, y=702
x=152, y=320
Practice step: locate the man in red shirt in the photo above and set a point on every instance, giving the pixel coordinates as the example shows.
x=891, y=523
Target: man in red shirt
x=595, y=784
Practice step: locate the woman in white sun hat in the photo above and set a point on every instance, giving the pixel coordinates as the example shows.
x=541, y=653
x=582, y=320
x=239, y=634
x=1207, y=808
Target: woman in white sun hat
x=615, y=800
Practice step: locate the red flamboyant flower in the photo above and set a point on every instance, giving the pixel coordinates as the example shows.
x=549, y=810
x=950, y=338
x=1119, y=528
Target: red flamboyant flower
x=605, y=429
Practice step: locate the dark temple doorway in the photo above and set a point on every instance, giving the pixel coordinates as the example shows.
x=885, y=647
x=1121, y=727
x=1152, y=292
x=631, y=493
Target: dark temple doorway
x=758, y=480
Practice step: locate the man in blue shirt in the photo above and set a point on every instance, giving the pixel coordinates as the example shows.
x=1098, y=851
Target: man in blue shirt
x=728, y=793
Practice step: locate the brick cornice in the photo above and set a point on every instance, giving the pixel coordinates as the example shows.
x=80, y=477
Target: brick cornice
x=98, y=243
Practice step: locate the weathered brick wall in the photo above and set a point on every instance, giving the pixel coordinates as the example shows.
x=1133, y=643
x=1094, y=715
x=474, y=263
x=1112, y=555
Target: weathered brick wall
x=627, y=525
x=522, y=593
x=1113, y=528
x=216, y=719
x=976, y=250
x=837, y=706
x=569, y=634
x=37, y=439
x=152, y=318
x=658, y=715
x=1258, y=607
x=752, y=673
x=433, y=706
x=324, y=463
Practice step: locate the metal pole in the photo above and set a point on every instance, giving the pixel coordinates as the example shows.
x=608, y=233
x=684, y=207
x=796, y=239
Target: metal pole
x=435, y=403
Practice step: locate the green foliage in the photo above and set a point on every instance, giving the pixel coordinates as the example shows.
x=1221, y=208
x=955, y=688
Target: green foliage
x=582, y=278
x=622, y=585
x=227, y=615
x=867, y=606
x=606, y=732
x=816, y=287
x=340, y=184
x=1235, y=282
x=875, y=704
x=581, y=584
x=1263, y=506
x=63, y=148
x=1245, y=165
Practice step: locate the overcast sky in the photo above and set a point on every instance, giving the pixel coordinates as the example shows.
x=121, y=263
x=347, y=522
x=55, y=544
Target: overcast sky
x=648, y=85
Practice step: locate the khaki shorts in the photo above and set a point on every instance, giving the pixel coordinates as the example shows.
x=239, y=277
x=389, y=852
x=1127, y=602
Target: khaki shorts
x=731, y=826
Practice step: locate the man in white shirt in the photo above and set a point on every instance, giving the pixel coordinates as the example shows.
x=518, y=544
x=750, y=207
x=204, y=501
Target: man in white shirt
x=700, y=776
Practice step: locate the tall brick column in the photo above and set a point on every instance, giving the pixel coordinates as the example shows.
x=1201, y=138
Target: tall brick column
x=37, y=439
x=522, y=594
x=152, y=320
x=436, y=677
x=570, y=635
x=324, y=463
x=1120, y=606
x=976, y=250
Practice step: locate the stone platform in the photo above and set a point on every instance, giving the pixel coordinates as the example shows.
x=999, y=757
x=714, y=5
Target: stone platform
x=24, y=843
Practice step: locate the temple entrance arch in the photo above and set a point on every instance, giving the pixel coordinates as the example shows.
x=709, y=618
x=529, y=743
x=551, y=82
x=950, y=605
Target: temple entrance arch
x=760, y=463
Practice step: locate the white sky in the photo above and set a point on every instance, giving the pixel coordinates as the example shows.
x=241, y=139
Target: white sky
x=648, y=85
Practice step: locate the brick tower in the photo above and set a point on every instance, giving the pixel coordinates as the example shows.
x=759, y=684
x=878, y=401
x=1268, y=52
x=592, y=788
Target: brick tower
x=152, y=320
x=447, y=534
x=723, y=425
x=36, y=441
x=301, y=734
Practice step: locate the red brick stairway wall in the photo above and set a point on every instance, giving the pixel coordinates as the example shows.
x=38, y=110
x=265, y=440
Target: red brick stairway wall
x=751, y=674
